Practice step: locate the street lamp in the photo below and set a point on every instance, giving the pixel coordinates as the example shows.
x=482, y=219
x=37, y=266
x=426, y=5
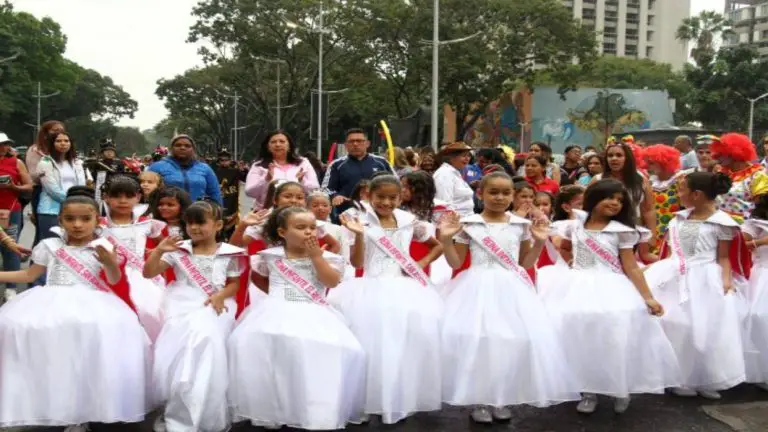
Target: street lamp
x=40, y=96
x=276, y=62
x=321, y=31
x=752, y=112
x=436, y=43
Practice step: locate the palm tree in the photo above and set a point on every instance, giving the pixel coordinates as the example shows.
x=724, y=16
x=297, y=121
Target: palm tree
x=702, y=30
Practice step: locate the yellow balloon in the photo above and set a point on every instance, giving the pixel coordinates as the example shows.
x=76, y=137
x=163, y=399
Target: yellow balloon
x=390, y=146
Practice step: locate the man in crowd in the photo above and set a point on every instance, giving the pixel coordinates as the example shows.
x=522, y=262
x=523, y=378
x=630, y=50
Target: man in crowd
x=229, y=177
x=684, y=144
x=571, y=167
x=344, y=173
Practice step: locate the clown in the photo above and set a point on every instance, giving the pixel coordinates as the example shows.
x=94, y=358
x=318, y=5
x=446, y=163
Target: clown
x=664, y=164
x=735, y=154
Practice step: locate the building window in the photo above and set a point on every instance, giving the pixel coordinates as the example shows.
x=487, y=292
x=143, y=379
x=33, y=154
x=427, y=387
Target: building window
x=650, y=19
x=633, y=18
x=611, y=14
x=649, y=35
x=649, y=52
x=651, y=4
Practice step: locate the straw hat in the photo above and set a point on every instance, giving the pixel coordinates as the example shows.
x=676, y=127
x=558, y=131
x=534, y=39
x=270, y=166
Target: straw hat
x=457, y=147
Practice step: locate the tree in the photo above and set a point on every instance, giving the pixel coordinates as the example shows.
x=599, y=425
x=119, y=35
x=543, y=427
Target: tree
x=702, y=30
x=608, y=111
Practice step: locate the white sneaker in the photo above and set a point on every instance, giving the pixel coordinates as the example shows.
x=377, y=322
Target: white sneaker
x=709, y=394
x=684, y=392
x=76, y=428
x=159, y=424
x=501, y=413
x=10, y=293
x=588, y=403
x=620, y=405
x=482, y=415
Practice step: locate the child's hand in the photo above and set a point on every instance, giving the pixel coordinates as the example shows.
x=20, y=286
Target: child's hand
x=654, y=308
x=524, y=210
x=423, y=264
x=449, y=225
x=313, y=247
x=216, y=301
x=540, y=230
x=169, y=244
x=256, y=218
x=19, y=250
x=352, y=223
x=727, y=287
x=106, y=257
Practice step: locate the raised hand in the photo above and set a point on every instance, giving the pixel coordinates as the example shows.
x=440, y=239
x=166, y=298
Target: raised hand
x=169, y=244
x=352, y=223
x=314, y=250
x=449, y=225
x=106, y=257
x=300, y=175
x=271, y=171
x=338, y=200
x=540, y=230
x=524, y=210
x=256, y=217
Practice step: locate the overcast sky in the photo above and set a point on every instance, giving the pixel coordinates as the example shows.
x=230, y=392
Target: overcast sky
x=136, y=42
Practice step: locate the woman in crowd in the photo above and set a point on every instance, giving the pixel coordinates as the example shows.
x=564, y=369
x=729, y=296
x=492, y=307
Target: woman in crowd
x=37, y=151
x=182, y=169
x=428, y=161
x=402, y=167
x=593, y=164
x=14, y=180
x=278, y=160
x=451, y=187
x=545, y=151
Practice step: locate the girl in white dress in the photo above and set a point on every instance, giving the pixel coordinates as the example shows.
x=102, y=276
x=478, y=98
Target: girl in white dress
x=190, y=371
x=169, y=207
x=73, y=351
x=755, y=231
x=695, y=286
x=499, y=347
x=603, y=308
x=128, y=231
x=292, y=359
x=393, y=309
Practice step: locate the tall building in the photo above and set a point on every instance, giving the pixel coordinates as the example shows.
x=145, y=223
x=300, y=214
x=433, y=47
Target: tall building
x=636, y=28
x=749, y=19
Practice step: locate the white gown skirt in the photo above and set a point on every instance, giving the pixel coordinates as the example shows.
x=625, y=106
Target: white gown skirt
x=705, y=330
x=296, y=364
x=499, y=346
x=71, y=355
x=190, y=371
x=148, y=298
x=612, y=344
x=755, y=325
x=397, y=321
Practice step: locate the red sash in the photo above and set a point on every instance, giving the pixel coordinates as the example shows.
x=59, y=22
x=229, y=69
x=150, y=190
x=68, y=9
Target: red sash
x=484, y=240
x=403, y=259
x=131, y=257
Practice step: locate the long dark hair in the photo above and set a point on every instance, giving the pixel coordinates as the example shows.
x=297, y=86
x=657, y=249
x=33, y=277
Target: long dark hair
x=57, y=156
x=631, y=179
x=265, y=157
x=566, y=195
x=711, y=184
x=607, y=188
x=422, y=194
x=279, y=219
x=179, y=195
x=45, y=131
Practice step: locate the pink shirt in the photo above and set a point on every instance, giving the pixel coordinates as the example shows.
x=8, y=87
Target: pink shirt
x=33, y=158
x=256, y=184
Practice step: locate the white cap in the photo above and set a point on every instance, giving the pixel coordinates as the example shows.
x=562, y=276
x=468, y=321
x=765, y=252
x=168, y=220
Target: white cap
x=4, y=138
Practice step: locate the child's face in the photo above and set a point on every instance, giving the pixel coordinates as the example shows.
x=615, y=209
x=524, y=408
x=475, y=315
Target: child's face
x=169, y=208
x=497, y=194
x=204, y=231
x=405, y=192
x=544, y=204
x=385, y=199
x=577, y=202
x=122, y=204
x=611, y=206
x=321, y=208
x=365, y=194
x=290, y=196
x=79, y=221
x=523, y=197
x=149, y=182
x=688, y=198
x=298, y=229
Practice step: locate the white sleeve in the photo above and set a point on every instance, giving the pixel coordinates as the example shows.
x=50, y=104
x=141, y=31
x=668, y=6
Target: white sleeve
x=751, y=228
x=336, y=262
x=628, y=240
x=422, y=231
x=444, y=188
x=234, y=266
x=726, y=232
x=462, y=237
x=42, y=255
x=259, y=265
x=168, y=258
x=156, y=228
x=254, y=232
x=526, y=232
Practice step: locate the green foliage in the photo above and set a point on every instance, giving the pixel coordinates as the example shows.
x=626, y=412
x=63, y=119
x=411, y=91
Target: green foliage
x=702, y=31
x=88, y=103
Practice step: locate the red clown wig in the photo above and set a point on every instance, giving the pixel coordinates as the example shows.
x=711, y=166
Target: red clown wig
x=639, y=154
x=666, y=157
x=736, y=146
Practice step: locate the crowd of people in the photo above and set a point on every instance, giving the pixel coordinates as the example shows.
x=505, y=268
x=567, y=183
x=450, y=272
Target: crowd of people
x=467, y=277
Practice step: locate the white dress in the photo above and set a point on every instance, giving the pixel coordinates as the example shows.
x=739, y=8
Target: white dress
x=293, y=361
x=147, y=294
x=397, y=321
x=190, y=371
x=701, y=322
x=611, y=342
x=755, y=320
x=499, y=346
x=69, y=352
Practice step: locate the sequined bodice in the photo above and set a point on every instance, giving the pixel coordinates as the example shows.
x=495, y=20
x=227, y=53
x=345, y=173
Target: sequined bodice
x=214, y=267
x=506, y=235
x=585, y=258
x=133, y=237
x=60, y=274
x=698, y=240
x=282, y=288
x=377, y=262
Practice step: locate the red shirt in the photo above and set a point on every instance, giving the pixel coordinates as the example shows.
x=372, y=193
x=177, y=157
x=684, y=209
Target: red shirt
x=545, y=185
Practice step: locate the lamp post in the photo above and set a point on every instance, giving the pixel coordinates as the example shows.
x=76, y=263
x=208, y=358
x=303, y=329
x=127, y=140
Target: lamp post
x=436, y=43
x=40, y=96
x=279, y=108
x=236, y=98
x=752, y=112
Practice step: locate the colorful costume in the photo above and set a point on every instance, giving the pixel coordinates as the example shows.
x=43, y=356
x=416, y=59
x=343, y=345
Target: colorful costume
x=665, y=199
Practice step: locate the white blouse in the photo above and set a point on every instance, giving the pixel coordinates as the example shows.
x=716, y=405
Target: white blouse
x=377, y=262
x=613, y=238
x=508, y=235
x=451, y=188
x=699, y=238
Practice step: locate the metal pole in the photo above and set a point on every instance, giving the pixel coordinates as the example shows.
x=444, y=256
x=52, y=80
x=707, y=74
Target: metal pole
x=320, y=88
x=279, y=109
x=435, y=75
x=234, y=140
x=39, y=99
x=751, y=117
